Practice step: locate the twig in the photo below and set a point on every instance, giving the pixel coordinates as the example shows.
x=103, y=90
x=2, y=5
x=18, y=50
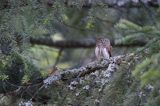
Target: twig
x=58, y=57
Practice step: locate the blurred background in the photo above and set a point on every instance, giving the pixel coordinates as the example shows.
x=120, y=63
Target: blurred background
x=37, y=35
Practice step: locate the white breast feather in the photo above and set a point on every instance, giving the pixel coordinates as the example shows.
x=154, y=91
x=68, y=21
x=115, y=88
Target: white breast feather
x=97, y=52
x=105, y=53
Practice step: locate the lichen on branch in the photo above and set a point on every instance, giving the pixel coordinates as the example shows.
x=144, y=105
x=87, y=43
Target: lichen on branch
x=84, y=70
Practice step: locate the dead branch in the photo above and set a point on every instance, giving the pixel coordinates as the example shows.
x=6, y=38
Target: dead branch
x=84, y=43
x=82, y=71
x=32, y=92
x=89, y=3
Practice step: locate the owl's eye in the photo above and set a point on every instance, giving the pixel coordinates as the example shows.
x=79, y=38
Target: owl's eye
x=106, y=40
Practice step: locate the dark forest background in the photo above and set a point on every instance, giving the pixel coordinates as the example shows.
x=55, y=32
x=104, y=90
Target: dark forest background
x=47, y=53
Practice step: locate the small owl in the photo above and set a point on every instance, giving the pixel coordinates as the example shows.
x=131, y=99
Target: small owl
x=103, y=48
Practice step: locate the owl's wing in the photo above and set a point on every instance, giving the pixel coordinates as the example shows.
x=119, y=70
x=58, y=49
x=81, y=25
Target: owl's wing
x=97, y=52
x=110, y=50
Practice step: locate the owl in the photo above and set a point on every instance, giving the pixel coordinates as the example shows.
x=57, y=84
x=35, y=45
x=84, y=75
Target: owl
x=103, y=48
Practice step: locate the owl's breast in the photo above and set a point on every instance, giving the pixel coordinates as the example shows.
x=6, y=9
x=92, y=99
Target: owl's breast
x=105, y=53
x=98, y=52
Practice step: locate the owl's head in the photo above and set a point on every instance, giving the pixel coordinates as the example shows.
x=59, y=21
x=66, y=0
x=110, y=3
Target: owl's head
x=106, y=41
x=102, y=41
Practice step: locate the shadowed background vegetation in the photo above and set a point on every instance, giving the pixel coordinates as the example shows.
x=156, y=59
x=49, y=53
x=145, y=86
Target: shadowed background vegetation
x=39, y=36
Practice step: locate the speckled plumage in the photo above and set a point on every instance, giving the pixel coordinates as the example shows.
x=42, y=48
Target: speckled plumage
x=103, y=48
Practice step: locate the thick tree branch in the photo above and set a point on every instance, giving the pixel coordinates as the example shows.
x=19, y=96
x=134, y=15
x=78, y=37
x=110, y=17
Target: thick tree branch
x=82, y=71
x=89, y=3
x=63, y=43
x=85, y=43
x=33, y=92
x=73, y=73
x=116, y=3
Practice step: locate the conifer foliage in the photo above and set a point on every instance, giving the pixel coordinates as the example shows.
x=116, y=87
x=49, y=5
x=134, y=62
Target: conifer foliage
x=47, y=53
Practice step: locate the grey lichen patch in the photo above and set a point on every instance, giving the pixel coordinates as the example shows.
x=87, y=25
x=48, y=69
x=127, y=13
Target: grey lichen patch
x=107, y=67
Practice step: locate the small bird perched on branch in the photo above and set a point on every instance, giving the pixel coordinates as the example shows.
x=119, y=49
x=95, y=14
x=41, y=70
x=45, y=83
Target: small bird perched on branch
x=103, y=48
